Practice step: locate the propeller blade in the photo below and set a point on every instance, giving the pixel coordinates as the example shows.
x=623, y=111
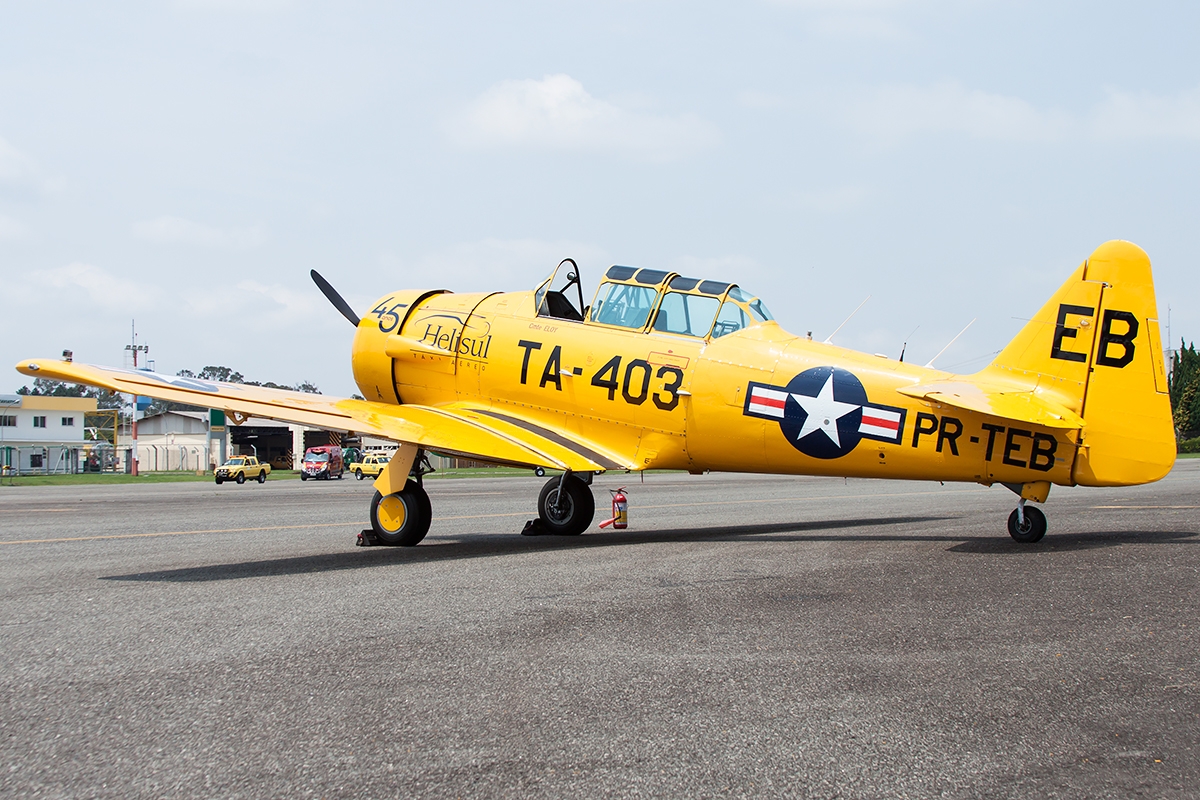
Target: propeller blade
x=335, y=298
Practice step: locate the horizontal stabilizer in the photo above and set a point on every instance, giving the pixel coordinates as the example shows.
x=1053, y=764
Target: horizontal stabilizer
x=1014, y=404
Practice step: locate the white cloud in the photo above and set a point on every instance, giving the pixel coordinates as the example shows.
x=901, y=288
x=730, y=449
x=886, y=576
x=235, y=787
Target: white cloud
x=176, y=230
x=896, y=111
x=498, y=264
x=86, y=286
x=753, y=98
x=849, y=5
x=1125, y=115
x=20, y=171
x=232, y=5
x=558, y=113
x=712, y=268
x=842, y=198
x=15, y=166
x=11, y=229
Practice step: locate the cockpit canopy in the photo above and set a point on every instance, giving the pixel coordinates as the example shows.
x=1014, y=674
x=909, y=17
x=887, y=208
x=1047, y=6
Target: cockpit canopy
x=651, y=299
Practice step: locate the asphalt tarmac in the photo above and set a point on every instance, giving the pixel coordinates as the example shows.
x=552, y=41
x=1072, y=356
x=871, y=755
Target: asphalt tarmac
x=747, y=636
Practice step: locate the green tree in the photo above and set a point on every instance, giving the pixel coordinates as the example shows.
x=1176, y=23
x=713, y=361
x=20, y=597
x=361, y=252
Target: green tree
x=1185, y=391
x=44, y=387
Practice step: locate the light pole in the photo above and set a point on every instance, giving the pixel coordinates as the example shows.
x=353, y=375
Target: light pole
x=135, y=348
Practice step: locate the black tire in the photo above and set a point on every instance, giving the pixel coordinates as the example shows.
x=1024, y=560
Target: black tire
x=262, y=477
x=541, y=473
x=573, y=516
x=220, y=481
x=340, y=474
x=303, y=476
x=1034, y=528
x=416, y=517
x=358, y=474
x=241, y=478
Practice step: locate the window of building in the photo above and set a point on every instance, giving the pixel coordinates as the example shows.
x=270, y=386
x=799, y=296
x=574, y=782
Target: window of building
x=68, y=422
x=7, y=421
x=35, y=460
x=39, y=422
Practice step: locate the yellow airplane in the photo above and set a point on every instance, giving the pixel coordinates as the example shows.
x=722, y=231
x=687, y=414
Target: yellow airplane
x=663, y=371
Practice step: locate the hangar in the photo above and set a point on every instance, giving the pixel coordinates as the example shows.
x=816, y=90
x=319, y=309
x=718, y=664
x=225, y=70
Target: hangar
x=187, y=440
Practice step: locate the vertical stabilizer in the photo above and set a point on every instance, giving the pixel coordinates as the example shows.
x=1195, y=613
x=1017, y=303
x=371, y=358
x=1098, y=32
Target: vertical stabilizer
x=1095, y=347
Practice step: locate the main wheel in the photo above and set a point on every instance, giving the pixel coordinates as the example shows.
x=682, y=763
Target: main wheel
x=402, y=518
x=262, y=477
x=1034, y=528
x=241, y=478
x=358, y=474
x=571, y=515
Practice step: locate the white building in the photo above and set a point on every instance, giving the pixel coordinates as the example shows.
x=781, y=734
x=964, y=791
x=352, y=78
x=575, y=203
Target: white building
x=47, y=434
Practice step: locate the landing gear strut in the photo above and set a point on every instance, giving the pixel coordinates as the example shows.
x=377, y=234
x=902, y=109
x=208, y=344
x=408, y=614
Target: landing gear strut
x=1026, y=524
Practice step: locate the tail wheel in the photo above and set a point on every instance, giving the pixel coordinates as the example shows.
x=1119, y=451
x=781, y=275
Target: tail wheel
x=1031, y=530
x=570, y=513
x=241, y=478
x=262, y=477
x=402, y=518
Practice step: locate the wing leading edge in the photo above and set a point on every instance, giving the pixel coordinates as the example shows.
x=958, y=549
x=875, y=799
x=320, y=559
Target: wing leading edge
x=473, y=433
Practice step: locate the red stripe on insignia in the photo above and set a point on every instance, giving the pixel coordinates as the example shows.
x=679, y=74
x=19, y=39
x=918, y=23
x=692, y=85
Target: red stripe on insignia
x=881, y=422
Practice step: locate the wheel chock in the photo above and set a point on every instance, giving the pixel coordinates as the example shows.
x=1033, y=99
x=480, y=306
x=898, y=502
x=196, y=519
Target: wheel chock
x=366, y=538
x=534, y=528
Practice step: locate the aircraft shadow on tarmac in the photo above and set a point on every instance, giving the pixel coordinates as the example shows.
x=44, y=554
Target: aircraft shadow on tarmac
x=1091, y=540
x=486, y=546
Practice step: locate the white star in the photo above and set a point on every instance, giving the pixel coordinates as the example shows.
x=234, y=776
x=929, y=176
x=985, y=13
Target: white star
x=823, y=412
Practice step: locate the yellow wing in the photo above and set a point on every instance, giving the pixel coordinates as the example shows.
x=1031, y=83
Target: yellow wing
x=472, y=432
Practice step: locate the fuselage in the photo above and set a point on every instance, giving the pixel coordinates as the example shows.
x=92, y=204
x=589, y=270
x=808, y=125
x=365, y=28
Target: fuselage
x=662, y=401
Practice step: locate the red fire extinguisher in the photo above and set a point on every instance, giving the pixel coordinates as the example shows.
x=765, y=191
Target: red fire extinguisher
x=620, y=510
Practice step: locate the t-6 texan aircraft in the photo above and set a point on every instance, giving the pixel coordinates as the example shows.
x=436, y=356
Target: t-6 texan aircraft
x=664, y=371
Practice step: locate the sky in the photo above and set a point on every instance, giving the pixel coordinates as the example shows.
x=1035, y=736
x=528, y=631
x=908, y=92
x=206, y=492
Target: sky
x=185, y=164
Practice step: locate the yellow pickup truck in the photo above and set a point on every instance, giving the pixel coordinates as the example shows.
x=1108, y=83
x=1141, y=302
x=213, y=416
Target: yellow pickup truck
x=371, y=464
x=239, y=468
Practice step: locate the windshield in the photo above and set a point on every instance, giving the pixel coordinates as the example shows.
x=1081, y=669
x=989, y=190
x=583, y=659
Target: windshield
x=740, y=310
x=233, y=462
x=758, y=309
x=623, y=305
x=688, y=314
x=316, y=458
